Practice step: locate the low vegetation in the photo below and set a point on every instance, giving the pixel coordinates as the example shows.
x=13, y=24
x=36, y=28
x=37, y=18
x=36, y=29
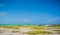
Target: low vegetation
x=37, y=29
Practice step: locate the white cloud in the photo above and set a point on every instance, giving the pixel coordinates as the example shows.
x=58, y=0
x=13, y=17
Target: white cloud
x=27, y=20
x=3, y=13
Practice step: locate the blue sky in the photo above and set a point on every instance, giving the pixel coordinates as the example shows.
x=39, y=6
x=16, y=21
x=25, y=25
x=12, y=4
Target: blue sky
x=30, y=12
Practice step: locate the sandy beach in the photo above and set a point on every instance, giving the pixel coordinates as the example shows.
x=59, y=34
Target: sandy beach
x=9, y=31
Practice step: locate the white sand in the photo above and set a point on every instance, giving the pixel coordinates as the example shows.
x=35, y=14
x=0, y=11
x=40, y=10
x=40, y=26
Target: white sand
x=6, y=31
